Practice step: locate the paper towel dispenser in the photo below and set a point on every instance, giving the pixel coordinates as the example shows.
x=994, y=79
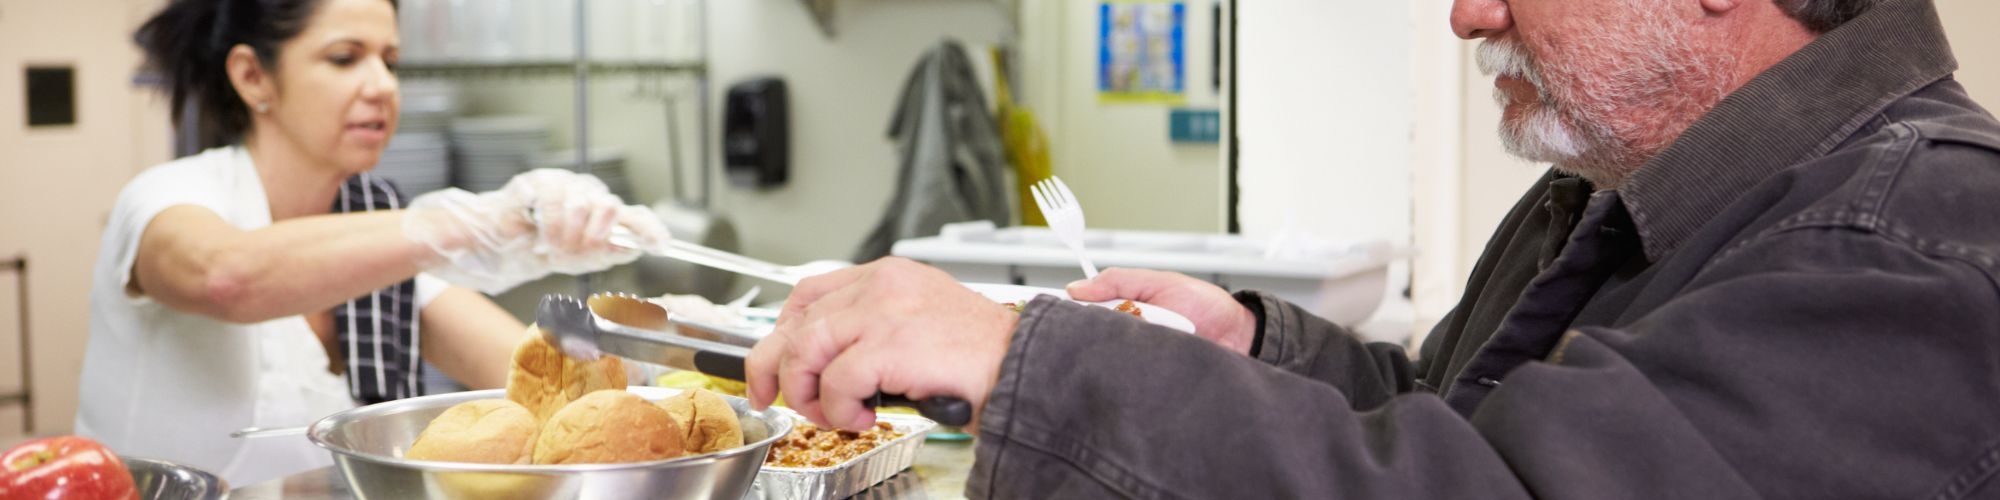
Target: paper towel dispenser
x=756, y=137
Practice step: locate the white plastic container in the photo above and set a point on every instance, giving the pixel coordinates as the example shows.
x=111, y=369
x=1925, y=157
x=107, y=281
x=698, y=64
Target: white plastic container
x=1342, y=282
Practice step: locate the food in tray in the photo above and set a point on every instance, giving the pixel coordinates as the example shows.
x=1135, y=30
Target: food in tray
x=489, y=431
x=809, y=446
x=542, y=379
x=708, y=421
x=1127, y=307
x=608, y=427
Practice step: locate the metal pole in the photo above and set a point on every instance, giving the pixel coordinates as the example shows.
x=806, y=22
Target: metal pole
x=702, y=106
x=26, y=396
x=676, y=158
x=582, y=108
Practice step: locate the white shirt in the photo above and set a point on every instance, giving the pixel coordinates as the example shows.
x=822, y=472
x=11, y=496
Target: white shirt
x=161, y=383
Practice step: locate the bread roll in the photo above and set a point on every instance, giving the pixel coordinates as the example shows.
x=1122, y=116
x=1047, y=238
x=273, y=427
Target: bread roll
x=487, y=431
x=608, y=427
x=710, y=422
x=543, y=379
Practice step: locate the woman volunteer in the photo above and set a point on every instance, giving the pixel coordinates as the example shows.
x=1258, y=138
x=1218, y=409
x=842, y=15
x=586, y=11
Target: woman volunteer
x=272, y=282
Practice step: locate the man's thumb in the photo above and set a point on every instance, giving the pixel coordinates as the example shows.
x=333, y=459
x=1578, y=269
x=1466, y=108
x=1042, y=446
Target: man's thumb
x=1090, y=290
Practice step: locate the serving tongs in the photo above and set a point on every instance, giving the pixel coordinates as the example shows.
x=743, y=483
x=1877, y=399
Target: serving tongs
x=696, y=254
x=718, y=259
x=636, y=329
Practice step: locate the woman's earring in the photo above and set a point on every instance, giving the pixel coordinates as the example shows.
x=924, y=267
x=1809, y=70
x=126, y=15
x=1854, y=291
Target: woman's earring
x=263, y=107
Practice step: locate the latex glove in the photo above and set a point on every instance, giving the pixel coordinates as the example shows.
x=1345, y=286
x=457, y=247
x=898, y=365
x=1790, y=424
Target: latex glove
x=542, y=221
x=1216, y=314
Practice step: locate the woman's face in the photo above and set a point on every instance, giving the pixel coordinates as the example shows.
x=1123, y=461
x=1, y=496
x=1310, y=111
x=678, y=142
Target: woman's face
x=337, y=99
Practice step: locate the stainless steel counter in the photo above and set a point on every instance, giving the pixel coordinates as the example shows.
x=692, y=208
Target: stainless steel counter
x=939, y=474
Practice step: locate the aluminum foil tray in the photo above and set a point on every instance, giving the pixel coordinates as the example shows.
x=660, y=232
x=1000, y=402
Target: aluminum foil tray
x=852, y=476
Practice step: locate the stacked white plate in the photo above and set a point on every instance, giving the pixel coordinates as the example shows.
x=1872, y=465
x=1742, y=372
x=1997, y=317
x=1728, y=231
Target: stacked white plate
x=608, y=164
x=490, y=150
x=417, y=162
x=427, y=106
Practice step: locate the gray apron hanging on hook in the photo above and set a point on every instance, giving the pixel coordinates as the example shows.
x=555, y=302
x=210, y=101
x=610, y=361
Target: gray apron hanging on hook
x=953, y=166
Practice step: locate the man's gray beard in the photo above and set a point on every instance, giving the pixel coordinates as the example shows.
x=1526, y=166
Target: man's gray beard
x=1597, y=136
x=1548, y=132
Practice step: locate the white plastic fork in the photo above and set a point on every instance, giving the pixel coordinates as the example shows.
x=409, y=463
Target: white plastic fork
x=1065, y=216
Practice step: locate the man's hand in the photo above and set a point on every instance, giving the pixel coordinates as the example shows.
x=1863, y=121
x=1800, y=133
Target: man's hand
x=892, y=326
x=1216, y=315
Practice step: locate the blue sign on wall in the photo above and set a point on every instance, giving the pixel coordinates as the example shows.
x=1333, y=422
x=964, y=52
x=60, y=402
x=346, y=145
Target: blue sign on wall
x=1142, y=51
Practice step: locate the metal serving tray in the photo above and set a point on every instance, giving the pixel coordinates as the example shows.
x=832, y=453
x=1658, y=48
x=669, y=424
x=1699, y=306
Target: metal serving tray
x=852, y=476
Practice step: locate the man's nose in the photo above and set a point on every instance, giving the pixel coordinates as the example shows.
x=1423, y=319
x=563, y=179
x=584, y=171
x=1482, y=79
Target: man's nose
x=1473, y=19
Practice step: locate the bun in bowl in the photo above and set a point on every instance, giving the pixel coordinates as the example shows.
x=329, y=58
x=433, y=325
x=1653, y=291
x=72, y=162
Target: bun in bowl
x=710, y=422
x=543, y=380
x=606, y=427
x=488, y=431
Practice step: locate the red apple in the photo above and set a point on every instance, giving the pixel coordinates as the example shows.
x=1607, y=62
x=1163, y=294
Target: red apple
x=67, y=467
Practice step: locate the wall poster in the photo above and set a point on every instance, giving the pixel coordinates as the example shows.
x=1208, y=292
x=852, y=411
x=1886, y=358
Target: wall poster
x=1141, y=52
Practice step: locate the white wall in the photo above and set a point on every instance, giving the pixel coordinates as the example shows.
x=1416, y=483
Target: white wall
x=1969, y=24
x=843, y=91
x=57, y=185
x=1119, y=158
x=1325, y=105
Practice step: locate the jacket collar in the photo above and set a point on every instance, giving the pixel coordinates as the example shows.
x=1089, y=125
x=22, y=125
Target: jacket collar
x=1799, y=109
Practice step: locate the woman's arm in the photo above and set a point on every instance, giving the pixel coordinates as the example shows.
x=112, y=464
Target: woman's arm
x=470, y=338
x=189, y=259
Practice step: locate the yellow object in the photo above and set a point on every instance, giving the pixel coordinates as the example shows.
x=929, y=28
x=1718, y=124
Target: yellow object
x=696, y=380
x=1027, y=146
x=683, y=379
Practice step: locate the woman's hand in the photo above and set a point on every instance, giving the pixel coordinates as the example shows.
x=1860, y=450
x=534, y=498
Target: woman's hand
x=542, y=221
x=1216, y=315
x=892, y=326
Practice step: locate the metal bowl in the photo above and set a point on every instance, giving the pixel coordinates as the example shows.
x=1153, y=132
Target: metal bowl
x=162, y=480
x=368, y=445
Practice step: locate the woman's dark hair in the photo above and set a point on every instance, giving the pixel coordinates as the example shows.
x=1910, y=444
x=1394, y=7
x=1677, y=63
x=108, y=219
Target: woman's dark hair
x=187, y=45
x=1822, y=16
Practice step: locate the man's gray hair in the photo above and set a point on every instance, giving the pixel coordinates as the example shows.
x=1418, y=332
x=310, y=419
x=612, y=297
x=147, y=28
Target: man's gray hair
x=1822, y=16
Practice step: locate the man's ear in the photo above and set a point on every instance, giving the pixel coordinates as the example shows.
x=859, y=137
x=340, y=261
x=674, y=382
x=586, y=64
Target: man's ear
x=1719, y=6
x=254, y=84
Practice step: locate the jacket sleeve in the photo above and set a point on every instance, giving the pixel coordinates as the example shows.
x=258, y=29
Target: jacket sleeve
x=1288, y=337
x=1761, y=380
x=1094, y=404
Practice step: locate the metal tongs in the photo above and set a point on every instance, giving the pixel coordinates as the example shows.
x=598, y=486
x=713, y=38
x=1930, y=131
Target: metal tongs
x=718, y=259
x=636, y=329
x=692, y=253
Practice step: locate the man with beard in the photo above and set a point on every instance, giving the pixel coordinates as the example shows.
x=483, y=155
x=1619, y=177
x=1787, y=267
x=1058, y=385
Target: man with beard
x=1764, y=266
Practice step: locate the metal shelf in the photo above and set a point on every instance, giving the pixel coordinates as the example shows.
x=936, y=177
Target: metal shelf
x=544, y=69
x=822, y=14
